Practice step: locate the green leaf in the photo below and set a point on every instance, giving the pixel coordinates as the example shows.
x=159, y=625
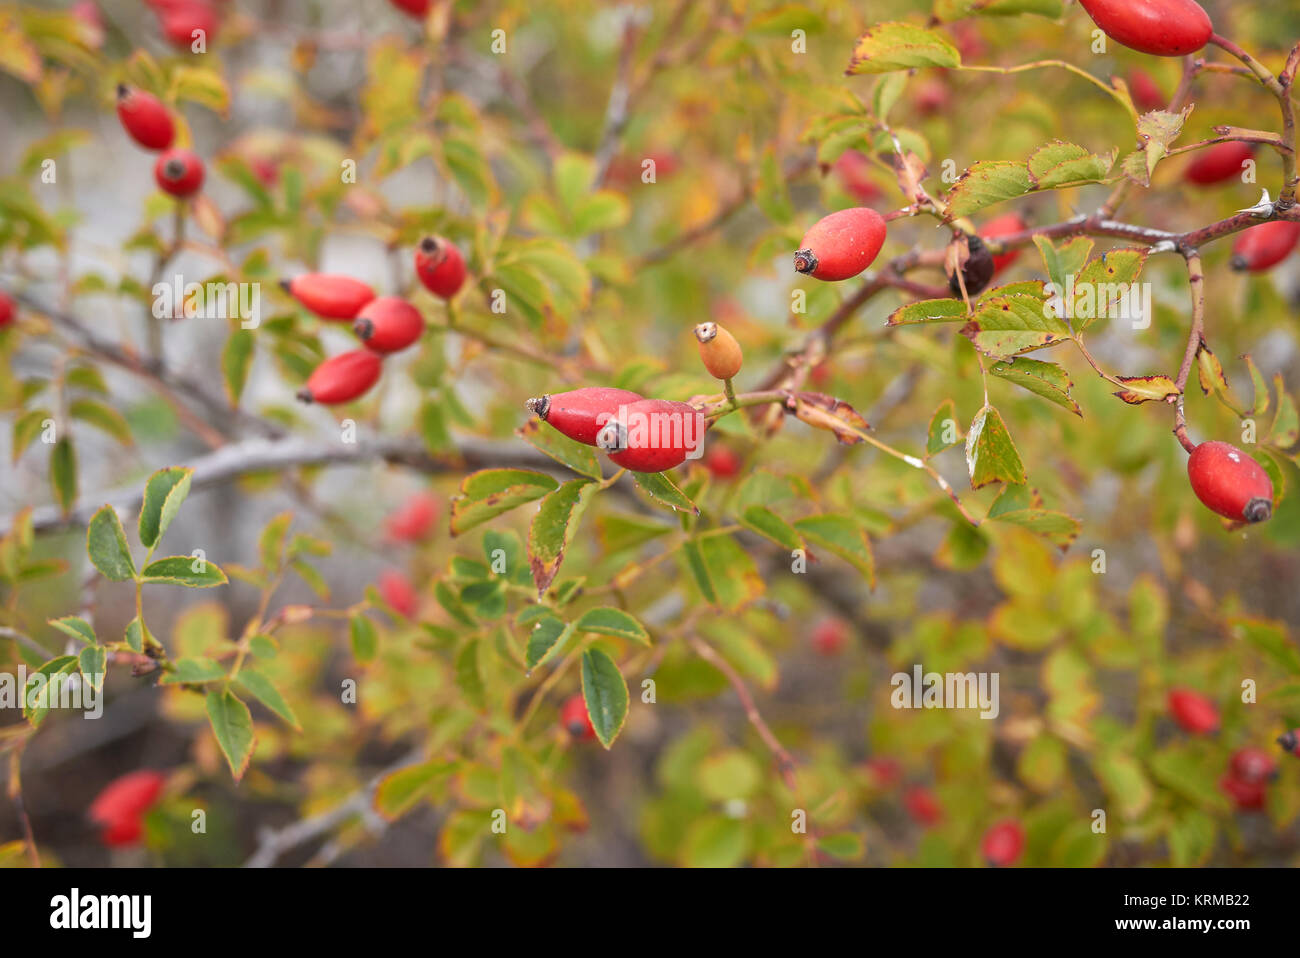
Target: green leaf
x=1271, y=640
x=604, y=210
x=842, y=535
x=468, y=677
x=1261, y=403
x=236, y=359
x=232, y=724
x=401, y=790
x=1004, y=326
x=37, y=705
x=1064, y=164
x=1286, y=422
x=134, y=635
x=948, y=10
x=929, y=311
x=900, y=46
x=179, y=570
x=663, y=490
x=769, y=525
x=63, y=473
x=942, y=422
x=1063, y=261
x=194, y=670
x=76, y=627
x=364, y=638
x=991, y=456
x=92, y=662
x=163, y=495
x=26, y=428
x=101, y=416
x=1045, y=379
x=1107, y=286
x=107, y=548
x=605, y=693
x=553, y=528
x=988, y=182
x=549, y=637
x=1155, y=132
x=263, y=689
x=606, y=620
x=270, y=544
x=770, y=193
x=201, y=85
x=488, y=493
x=724, y=572
x=1122, y=777
x=715, y=841
x=567, y=452
x=846, y=846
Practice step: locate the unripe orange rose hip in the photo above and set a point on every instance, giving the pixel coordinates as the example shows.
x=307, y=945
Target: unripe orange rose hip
x=1193, y=711
x=329, y=295
x=719, y=350
x=179, y=172
x=1230, y=482
x=581, y=413
x=841, y=245
x=342, y=378
x=440, y=266
x=652, y=435
x=145, y=118
x=1217, y=163
x=388, y=324
x=1162, y=28
x=1264, y=246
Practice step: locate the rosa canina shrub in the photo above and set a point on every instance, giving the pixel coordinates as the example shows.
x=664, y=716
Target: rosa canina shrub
x=515, y=257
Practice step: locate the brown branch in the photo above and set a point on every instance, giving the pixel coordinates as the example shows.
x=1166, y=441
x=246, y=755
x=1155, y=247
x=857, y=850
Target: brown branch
x=1195, y=340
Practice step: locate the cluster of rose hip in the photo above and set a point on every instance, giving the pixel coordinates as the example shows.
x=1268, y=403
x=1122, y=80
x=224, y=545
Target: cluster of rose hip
x=613, y=419
x=843, y=244
x=178, y=171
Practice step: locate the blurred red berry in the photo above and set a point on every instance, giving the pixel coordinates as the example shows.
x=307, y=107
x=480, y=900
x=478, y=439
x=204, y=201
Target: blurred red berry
x=1247, y=796
x=854, y=171
x=415, y=8
x=922, y=806
x=181, y=19
x=120, y=808
x=885, y=772
x=7, y=310
x=179, y=172
x=1193, y=711
x=1147, y=96
x=145, y=118
x=1003, y=843
x=829, y=636
x=415, y=520
x=932, y=96
x=440, y=266
x=1003, y=225
x=1218, y=163
x=721, y=461
x=1290, y=742
x=574, y=718
x=1251, y=764
x=397, y=591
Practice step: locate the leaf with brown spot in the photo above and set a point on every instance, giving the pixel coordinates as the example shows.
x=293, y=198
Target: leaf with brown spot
x=1147, y=389
x=826, y=412
x=553, y=529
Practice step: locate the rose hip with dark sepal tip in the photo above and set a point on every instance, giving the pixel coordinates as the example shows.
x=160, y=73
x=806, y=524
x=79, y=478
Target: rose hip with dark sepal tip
x=329, y=295
x=574, y=718
x=1230, y=483
x=653, y=435
x=1264, y=246
x=1162, y=28
x=841, y=245
x=1290, y=742
x=976, y=272
x=440, y=266
x=179, y=172
x=580, y=414
x=1217, y=163
x=342, y=378
x=145, y=118
x=388, y=324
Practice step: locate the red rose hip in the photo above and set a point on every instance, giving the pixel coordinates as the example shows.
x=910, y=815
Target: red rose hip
x=120, y=808
x=342, y=378
x=1003, y=843
x=829, y=636
x=414, y=520
x=1229, y=482
x=440, y=266
x=574, y=718
x=179, y=172
x=1004, y=225
x=388, y=324
x=1264, y=246
x=1162, y=28
x=415, y=8
x=1252, y=764
x=397, y=591
x=653, y=435
x=1147, y=96
x=721, y=461
x=581, y=413
x=841, y=245
x=1218, y=163
x=921, y=804
x=7, y=310
x=329, y=295
x=145, y=118
x=1193, y=711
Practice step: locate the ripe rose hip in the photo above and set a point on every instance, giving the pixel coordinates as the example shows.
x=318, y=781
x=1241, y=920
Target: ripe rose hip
x=574, y=718
x=721, y=461
x=1265, y=245
x=1217, y=163
x=145, y=118
x=1003, y=843
x=416, y=8
x=1247, y=796
x=829, y=636
x=931, y=96
x=1003, y=225
x=179, y=172
x=1147, y=95
x=1290, y=742
x=120, y=808
x=1162, y=28
x=841, y=245
x=1193, y=711
x=179, y=19
x=397, y=591
x=1229, y=482
x=440, y=266
x=388, y=324
x=581, y=413
x=885, y=772
x=329, y=295
x=922, y=805
x=652, y=435
x=342, y=378
x=7, y=310
x=976, y=272
x=414, y=520
x=854, y=170
x=1252, y=764
x=719, y=350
